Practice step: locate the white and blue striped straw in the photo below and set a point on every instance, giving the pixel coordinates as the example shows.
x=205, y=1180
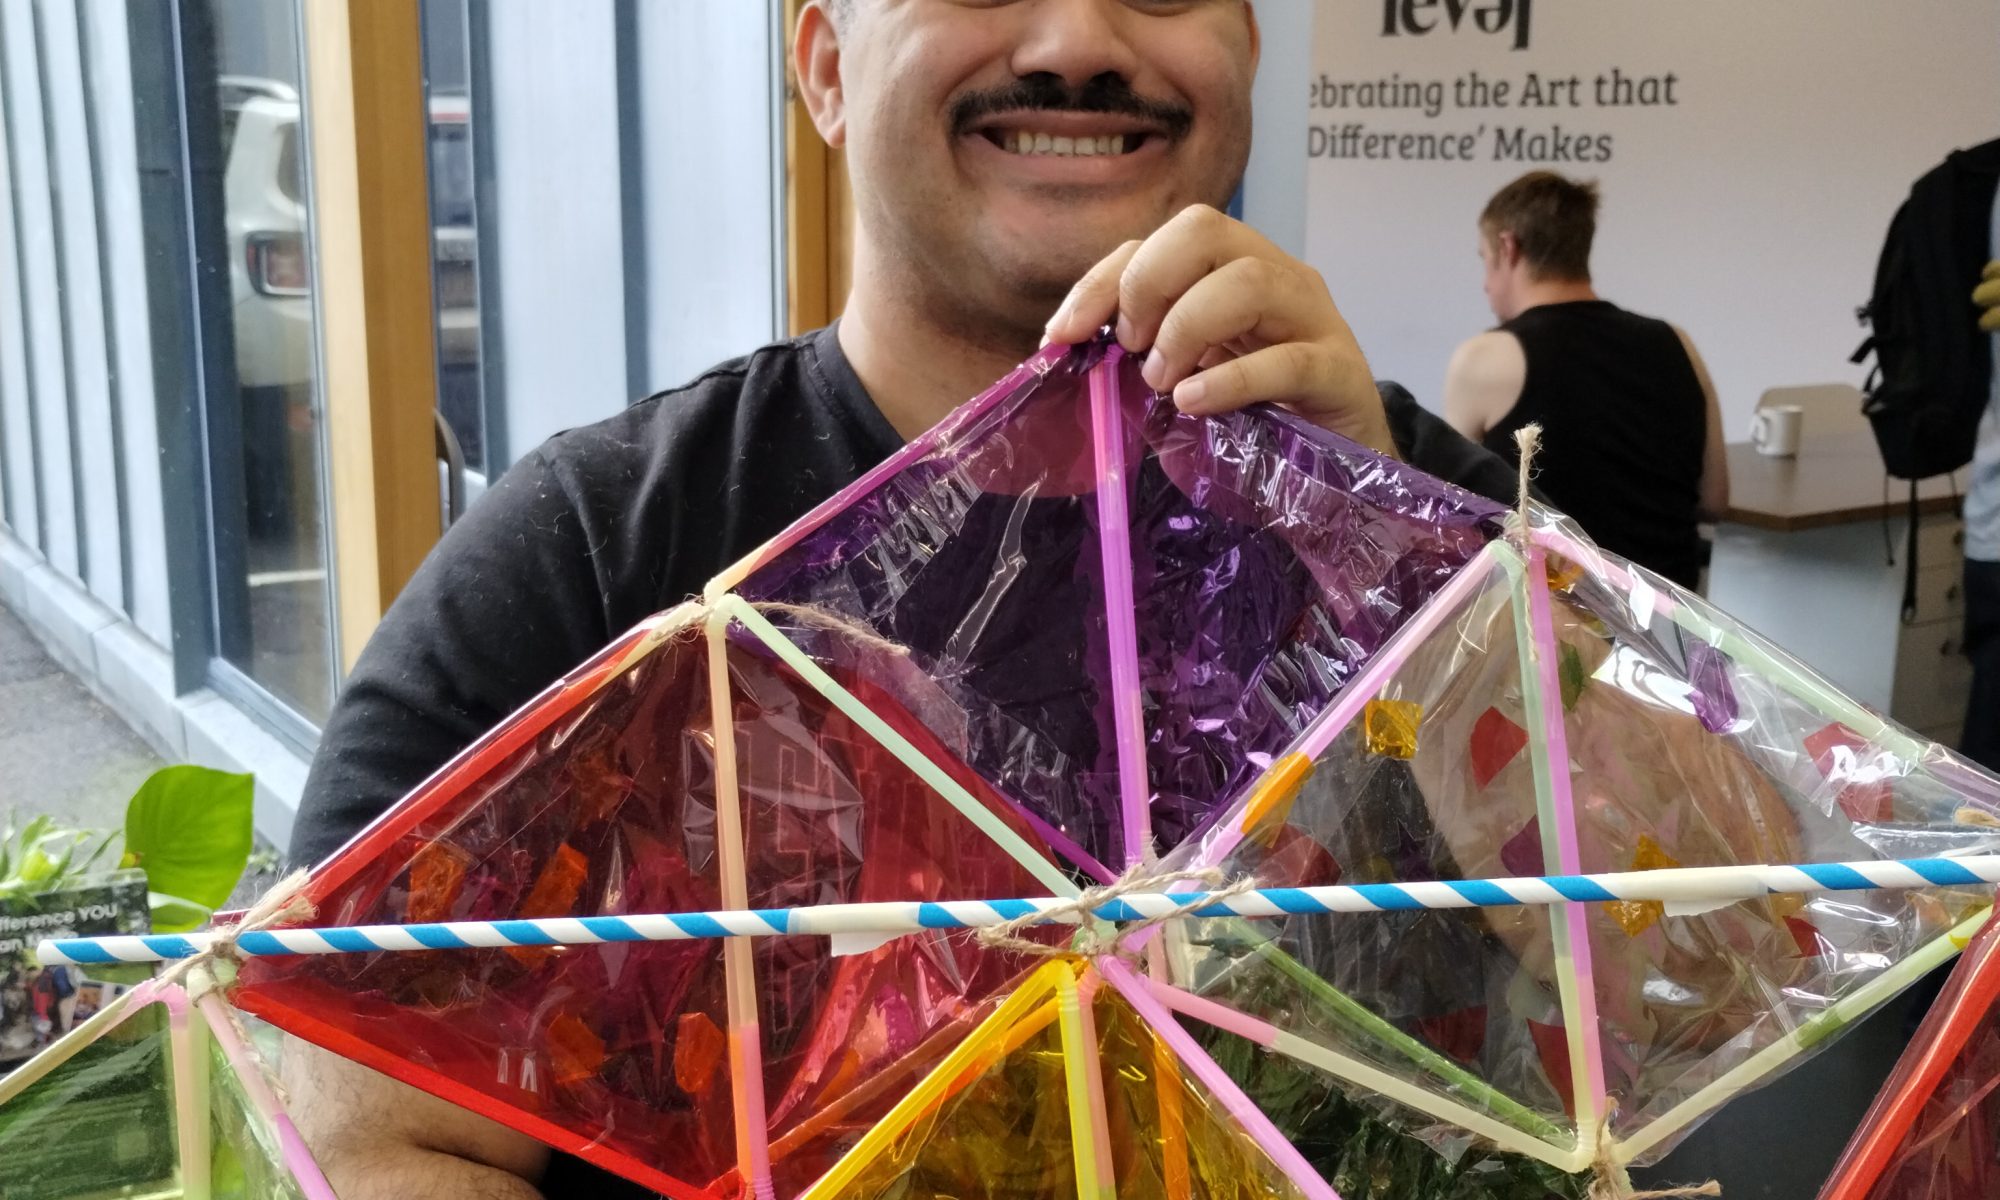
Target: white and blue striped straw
x=1695, y=887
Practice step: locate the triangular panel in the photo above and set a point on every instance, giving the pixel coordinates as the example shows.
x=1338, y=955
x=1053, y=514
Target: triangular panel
x=602, y=798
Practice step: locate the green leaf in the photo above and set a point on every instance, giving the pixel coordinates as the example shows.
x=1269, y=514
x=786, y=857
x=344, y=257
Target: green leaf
x=188, y=828
x=1570, y=670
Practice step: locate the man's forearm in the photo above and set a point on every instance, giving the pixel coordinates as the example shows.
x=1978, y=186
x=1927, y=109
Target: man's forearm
x=409, y=1173
x=379, y=1139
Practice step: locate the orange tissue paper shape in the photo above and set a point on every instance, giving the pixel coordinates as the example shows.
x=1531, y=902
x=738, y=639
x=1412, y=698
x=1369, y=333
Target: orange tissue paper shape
x=437, y=876
x=1391, y=727
x=1637, y=916
x=554, y=895
x=575, y=1052
x=699, y=1045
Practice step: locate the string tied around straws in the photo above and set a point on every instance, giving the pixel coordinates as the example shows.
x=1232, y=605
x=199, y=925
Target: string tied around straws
x=1609, y=1181
x=284, y=903
x=1099, y=938
x=1528, y=440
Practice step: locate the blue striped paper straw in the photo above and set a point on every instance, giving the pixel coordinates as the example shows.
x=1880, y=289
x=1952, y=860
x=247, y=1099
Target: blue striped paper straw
x=1682, y=888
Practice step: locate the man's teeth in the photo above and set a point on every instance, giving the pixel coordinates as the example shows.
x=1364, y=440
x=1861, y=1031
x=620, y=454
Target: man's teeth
x=1021, y=142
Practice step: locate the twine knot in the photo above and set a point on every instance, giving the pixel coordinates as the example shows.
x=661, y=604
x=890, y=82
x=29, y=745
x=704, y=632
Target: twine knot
x=1610, y=1182
x=284, y=904
x=1098, y=937
x=1528, y=440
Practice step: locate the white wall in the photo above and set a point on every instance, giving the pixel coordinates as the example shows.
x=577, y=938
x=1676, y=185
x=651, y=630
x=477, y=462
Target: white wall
x=1274, y=191
x=706, y=94
x=558, y=239
x=707, y=267
x=1750, y=212
x=17, y=456
x=93, y=417
x=35, y=227
x=109, y=68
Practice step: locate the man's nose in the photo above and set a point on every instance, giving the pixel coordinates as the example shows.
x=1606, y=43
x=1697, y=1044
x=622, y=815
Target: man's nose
x=1077, y=40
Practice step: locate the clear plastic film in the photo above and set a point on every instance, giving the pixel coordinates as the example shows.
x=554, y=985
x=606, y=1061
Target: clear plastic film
x=1559, y=711
x=153, y=1094
x=1934, y=1131
x=1268, y=560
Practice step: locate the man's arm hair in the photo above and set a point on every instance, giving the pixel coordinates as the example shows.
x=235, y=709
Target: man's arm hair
x=1483, y=382
x=1714, y=457
x=379, y=1139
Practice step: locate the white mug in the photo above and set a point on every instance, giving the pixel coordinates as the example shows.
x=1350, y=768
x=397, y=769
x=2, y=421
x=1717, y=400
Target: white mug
x=1775, y=431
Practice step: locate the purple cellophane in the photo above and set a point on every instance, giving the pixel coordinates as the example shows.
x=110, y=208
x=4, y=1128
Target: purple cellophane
x=1271, y=559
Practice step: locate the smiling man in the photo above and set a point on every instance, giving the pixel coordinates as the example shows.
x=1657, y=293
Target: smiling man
x=1022, y=171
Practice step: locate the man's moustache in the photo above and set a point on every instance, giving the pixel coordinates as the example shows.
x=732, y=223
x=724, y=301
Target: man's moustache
x=1172, y=119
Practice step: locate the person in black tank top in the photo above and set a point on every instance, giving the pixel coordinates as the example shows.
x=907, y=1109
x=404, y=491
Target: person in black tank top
x=1631, y=443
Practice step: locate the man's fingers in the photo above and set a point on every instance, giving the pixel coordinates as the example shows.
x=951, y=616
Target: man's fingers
x=1342, y=395
x=1166, y=265
x=1091, y=304
x=1251, y=298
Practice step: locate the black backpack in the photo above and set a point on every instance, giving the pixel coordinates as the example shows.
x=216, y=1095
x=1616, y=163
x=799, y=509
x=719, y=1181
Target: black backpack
x=1933, y=370
x=1932, y=364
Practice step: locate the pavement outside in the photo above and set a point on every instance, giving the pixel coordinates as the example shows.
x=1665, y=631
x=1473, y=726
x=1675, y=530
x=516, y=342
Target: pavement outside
x=64, y=754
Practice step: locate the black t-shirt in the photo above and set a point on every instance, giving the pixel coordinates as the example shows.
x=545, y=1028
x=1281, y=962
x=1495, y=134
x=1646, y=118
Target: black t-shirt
x=1624, y=423
x=605, y=525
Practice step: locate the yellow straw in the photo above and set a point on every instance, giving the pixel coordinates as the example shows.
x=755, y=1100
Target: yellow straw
x=943, y=1081
x=1090, y=1141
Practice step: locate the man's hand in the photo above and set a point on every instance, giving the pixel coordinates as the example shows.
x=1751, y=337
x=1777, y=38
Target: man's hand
x=1228, y=320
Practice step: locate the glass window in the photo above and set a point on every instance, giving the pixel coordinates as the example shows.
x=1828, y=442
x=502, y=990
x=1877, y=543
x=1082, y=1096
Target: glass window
x=455, y=254
x=262, y=417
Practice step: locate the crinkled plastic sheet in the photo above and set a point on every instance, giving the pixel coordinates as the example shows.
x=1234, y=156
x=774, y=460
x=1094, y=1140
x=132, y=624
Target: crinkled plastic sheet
x=603, y=802
x=998, y=1122
x=146, y=1098
x=1687, y=741
x=100, y=1121
x=1934, y=1131
x=1268, y=561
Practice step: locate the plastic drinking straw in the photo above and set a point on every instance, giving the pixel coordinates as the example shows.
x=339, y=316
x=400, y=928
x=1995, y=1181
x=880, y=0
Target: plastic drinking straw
x=1890, y=1118
x=1114, y=544
x=188, y=1075
x=1045, y=872
x=739, y=968
x=298, y=1160
x=1167, y=1087
x=1375, y=1079
x=1276, y=1146
x=944, y=433
x=966, y=1061
x=1849, y=1008
x=890, y=918
x=1090, y=1140
x=1541, y=697
x=1320, y=734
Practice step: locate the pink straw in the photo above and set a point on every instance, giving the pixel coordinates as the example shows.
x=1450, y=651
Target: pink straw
x=292, y=1147
x=1282, y=1153
x=1114, y=540
x=1563, y=809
